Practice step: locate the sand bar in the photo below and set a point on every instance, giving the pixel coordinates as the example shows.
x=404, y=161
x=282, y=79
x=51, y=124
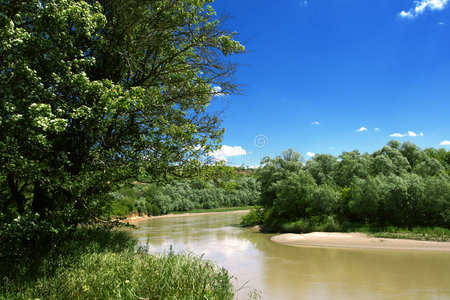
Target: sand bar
x=357, y=241
x=133, y=219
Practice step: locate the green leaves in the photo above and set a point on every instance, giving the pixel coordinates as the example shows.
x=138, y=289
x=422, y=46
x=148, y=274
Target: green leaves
x=381, y=188
x=43, y=118
x=230, y=46
x=97, y=93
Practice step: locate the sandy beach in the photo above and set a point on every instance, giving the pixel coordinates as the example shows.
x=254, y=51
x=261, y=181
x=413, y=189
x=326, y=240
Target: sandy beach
x=133, y=219
x=356, y=241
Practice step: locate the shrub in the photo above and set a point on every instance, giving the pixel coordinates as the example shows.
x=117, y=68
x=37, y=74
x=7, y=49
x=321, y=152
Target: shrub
x=23, y=241
x=299, y=226
x=254, y=217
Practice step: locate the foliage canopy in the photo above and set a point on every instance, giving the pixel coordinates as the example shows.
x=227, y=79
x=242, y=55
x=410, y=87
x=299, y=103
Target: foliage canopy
x=399, y=185
x=94, y=93
x=97, y=92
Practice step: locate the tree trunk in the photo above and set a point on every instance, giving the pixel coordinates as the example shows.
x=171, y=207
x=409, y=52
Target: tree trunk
x=16, y=195
x=41, y=201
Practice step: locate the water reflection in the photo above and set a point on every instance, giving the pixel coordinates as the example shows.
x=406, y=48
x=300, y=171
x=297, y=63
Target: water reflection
x=287, y=272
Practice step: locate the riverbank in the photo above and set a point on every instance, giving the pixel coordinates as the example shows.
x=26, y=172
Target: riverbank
x=136, y=218
x=324, y=239
x=98, y=263
x=357, y=241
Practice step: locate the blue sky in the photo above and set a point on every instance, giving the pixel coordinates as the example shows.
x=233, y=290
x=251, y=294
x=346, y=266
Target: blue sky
x=317, y=71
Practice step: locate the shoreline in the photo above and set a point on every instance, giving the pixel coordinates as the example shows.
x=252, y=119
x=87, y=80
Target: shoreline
x=356, y=241
x=145, y=217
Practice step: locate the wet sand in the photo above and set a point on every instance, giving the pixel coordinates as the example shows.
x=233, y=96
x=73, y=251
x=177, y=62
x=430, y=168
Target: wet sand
x=356, y=241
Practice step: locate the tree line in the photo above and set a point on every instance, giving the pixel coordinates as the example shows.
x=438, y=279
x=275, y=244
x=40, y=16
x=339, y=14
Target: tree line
x=185, y=195
x=398, y=185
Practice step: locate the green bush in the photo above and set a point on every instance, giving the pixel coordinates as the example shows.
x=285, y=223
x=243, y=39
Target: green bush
x=299, y=226
x=254, y=217
x=327, y=224
x=24, y=241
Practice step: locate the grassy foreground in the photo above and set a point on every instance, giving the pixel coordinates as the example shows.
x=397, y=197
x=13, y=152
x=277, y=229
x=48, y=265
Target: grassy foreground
x=103, y=264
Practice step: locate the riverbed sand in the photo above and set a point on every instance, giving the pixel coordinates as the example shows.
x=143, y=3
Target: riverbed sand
x=136, y=218
x=356, y=240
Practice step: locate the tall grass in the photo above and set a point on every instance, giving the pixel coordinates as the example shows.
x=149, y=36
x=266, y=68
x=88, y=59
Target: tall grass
x=127, y=275
x=416, y=233
x=96, y=264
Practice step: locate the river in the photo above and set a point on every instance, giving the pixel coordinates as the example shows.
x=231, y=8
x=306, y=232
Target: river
x=287, y=272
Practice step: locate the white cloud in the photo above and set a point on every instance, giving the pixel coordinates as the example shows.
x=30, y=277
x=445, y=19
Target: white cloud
x=216, y=90
x=377, y=129
x=421, y=6
x=253, y=167
x=441, y=23
x=310, y=154
x=410, y=133
x=228, y=151
x=397, y=135
x=315, y=123
x=445, y=143
x=406, y=15
x=361, y=129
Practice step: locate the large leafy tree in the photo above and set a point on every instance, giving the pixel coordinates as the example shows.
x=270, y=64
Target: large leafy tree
x=97, y=92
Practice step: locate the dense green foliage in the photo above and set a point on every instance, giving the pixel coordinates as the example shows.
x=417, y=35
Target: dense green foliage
x=398, y=185
x=253, y=218
x=185, y=195
x=102, y=264
x=95, y=94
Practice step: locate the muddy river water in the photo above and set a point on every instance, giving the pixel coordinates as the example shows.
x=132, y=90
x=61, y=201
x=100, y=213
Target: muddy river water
x=287, y=272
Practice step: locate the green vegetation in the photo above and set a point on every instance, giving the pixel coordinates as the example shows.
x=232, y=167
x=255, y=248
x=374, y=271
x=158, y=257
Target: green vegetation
x=186, y=195
x=97, y=263
x=399, y=186
x=93, y=98
x=415, y=233
x=95, y=95
x=254, y=217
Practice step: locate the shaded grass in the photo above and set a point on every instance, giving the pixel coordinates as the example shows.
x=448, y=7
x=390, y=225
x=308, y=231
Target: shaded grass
x=100, y=264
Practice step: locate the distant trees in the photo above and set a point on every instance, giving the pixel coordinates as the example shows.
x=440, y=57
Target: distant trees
x=184, y=195
x=399, y=185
